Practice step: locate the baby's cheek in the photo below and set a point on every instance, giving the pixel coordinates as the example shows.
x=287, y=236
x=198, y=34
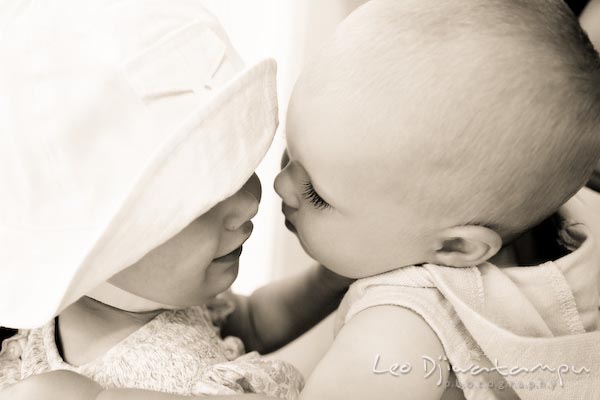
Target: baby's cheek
x=353, y=254
x=314, y=236
x=332, y=246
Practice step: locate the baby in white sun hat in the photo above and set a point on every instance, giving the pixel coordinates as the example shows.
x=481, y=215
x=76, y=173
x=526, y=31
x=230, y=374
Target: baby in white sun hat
x=129, y=133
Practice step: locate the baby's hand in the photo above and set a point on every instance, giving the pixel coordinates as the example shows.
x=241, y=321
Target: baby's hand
x=56, y=385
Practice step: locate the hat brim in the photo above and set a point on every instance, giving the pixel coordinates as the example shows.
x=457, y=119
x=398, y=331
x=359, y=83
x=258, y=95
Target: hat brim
x=164, y=199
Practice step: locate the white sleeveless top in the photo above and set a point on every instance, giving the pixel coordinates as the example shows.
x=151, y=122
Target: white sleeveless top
x=532, y=331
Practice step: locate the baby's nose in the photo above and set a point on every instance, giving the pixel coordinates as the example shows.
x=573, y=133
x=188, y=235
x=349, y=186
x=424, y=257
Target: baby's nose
x=244, y=205
x=254, y=187
x=244, y=209
x=285, y=188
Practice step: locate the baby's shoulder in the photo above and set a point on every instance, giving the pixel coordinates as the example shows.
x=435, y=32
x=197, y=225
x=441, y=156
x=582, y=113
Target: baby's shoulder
x=378, y=345
x=410, y=287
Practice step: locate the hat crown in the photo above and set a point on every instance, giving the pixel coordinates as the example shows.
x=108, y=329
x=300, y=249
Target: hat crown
x=107, y=109
x=83, y=79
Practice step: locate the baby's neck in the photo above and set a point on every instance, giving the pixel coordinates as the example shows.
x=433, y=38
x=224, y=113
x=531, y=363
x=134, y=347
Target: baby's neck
x=88, y=329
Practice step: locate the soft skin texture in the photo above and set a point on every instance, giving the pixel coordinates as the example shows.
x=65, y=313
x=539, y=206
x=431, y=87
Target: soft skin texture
x=59, y=385
x=184, y=271
x=590, y=21
x=66, y=385
x=430, y=131
x=429, y=141
x=340, y=366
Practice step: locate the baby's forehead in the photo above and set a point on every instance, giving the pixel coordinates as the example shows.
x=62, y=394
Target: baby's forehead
x=340, y=158
x=336, y=123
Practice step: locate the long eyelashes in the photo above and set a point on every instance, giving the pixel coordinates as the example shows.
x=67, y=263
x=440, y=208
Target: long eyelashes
x=313, y=197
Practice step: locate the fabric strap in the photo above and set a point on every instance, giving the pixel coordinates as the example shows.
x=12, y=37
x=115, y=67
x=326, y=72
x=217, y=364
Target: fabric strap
x=113, y=296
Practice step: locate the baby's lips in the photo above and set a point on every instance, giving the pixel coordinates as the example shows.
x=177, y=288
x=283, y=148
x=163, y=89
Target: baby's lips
x=290, y=226
x=247, y=228
x=287, y=210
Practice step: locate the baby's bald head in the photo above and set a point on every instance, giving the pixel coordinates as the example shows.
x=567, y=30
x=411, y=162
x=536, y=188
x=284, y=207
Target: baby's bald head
x=480, y=111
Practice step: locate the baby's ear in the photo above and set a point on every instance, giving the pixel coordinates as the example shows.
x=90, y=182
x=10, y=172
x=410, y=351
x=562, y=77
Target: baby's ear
x=466, y=246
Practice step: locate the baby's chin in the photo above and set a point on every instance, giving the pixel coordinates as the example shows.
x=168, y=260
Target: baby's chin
x=290, y=227
x=352, y=268
x=218, y=278
x=221, y=277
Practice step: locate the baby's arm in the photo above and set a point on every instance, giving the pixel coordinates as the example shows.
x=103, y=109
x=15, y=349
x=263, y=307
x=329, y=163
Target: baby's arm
x=590, y=20
x=56, y=385
x=67, y=385
x=279, y=312
x=134, y=394
x=399, y=336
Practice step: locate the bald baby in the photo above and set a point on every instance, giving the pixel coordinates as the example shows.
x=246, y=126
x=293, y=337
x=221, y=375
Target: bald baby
x=437, y=131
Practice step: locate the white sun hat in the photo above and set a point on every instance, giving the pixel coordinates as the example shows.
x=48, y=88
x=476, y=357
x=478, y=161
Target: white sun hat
x=121, y=121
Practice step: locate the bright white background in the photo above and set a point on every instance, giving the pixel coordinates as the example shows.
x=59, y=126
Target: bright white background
x=287, y=30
